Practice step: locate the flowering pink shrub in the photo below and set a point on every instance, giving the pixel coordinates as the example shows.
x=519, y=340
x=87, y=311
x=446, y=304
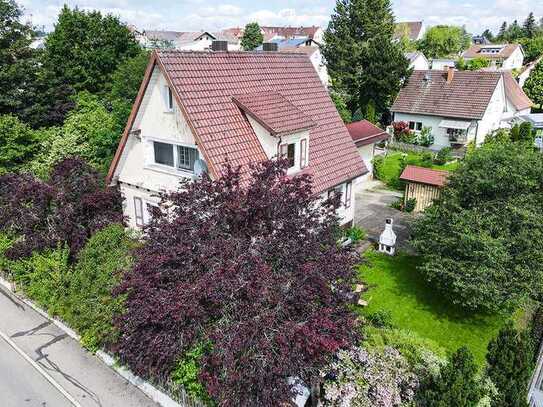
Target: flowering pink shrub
x=69, y=208
x=370, y=379
x=251, y=266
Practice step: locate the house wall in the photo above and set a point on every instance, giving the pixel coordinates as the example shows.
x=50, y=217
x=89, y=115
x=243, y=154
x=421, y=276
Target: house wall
x=346, y=214
x=367, y=154
x=496, y=111
x=515, y=61
x=420, y=63
x=442, y=64
x=318, y=62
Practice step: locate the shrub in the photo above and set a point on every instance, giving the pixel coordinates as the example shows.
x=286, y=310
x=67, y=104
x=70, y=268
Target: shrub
x=425, y=138
x=443, y=156
x=365, y=378
x=410, y=205
x=356, y=234
x=397, y=204
x=187, y=370
x=67, y=209
x=43, y=277
x=380, y=319
x=426, y=160
x=255, y=269
x=402, y=131
x=90, y=305
x=510, y=361
x=456, y=385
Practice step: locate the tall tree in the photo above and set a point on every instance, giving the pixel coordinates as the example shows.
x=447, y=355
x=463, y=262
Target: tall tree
x=252, y=37
x=18, y=144
x=456, y=385
x=530, y=26
x=488, y=35
x=86, y=47
x=18, y=62
x=253, y=267
x=362, y=59
x=503, y=31
x=510, y=360
x=534, y=85
x=444, y=41
x=514, y=32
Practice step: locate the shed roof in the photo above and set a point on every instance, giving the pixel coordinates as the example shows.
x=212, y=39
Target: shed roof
x=423, y=175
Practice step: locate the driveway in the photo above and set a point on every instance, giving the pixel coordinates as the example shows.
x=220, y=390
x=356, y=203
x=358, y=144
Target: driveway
x=373, y=208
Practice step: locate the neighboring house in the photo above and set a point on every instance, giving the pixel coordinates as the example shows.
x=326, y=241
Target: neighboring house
x=423, y=184
x=199, y=111
x=441, y=64
x=314, y=33
x=460, y=106
x=505, y=56
x=414, y=30
x=183, y=40
x=536, y=120
x=417, y=61
x=307, y=46
x=365, y=136
x=480, y=40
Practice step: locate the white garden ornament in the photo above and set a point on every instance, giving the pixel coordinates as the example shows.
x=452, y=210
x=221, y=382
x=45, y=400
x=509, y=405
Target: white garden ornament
x=387, y=240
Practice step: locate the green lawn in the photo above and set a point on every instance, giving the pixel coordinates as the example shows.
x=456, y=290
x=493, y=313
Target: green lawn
x=390, y=169
x=396, y=286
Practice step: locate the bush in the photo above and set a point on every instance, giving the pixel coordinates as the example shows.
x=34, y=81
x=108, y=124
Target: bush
x=456, y=385
x=356, y=234
x=380, y=319
x=426, y=160
x=43, y=277
x=410, y=205
x=187, y=370
x=364, y=378
x=443, y=156
x=425, y=138
x=510, y=361
x=90, y=306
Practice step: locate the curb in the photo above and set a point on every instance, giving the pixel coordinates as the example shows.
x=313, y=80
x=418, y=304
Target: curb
x=147, y=388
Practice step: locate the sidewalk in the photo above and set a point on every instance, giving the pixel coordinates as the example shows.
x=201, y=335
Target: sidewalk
x=86, y=378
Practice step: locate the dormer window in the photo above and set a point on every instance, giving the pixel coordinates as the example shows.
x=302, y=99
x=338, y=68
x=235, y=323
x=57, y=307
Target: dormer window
x=168, y=98
x=288, y=151
x=175, y=156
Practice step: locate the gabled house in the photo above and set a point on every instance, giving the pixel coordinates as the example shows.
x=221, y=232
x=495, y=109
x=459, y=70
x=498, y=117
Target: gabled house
x=502, y=56
x=366, y=136
x=459, y=106
x=314, y=32
x=185, y=40
x=197, y=111
x=413, y=30
x=417, y=61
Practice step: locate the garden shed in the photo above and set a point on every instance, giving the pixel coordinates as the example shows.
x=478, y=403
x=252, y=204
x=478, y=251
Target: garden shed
x=423, y=184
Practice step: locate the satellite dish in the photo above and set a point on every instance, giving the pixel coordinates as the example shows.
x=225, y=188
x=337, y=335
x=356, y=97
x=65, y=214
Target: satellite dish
x=200, y=168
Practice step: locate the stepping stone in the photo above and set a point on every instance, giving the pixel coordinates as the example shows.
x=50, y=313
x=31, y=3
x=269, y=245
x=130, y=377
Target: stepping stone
x=362, y=302
x=359, y=288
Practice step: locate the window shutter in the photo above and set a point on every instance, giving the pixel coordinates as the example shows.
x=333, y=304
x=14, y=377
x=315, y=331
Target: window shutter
x=348, y=190
x=303, y=153
x=138, y=211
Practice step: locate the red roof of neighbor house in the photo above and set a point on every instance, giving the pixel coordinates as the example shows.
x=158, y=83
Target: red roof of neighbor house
x=205, y=84
x=477, y=50
x=364, y=132
x=274, y=112
x=423, y=175
x=515, y=94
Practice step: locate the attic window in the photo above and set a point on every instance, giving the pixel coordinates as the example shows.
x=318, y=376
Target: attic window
x=288, y=151
x=168, y=98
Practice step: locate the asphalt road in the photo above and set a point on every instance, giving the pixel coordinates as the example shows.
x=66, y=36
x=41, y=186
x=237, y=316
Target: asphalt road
x=22, y=385
x=85, y=379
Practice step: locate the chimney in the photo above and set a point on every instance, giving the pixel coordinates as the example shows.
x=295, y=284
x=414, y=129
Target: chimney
x=217, y=45
x=270, y=46
x=450, y=74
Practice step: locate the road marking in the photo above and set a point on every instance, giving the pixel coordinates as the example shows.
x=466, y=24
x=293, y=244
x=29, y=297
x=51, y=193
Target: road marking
x=39, y=369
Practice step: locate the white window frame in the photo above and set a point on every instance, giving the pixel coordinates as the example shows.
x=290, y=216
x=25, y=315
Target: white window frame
x=168, y=99
x=303, y=153
x=175, y=168
x=348, y=194
x=139, y=218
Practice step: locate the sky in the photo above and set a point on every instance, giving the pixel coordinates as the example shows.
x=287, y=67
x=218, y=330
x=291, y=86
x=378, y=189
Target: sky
x=212, y=15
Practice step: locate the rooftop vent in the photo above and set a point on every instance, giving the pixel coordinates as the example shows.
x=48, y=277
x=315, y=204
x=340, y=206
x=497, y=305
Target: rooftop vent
x=219, y=45
x=270, y=46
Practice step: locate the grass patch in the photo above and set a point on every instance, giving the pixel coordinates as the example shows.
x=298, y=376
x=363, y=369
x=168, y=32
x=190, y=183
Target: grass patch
x=396, y=286
x=390, y=169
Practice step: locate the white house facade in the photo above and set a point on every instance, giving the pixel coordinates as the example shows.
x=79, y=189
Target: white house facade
x=417, y=61
x=459, y=107
x=183, y=124
x=501, y=56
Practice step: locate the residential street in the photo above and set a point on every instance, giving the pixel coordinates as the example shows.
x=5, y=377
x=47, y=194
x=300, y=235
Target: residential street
x=82, y=375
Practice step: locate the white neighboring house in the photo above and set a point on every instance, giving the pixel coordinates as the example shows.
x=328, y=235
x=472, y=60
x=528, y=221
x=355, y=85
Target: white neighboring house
x=313, y=32
x=251, y=108
x=414, y=30
x=502, y=56
x=185, y=40
x=460, y=106
x=441, y=64
x=365, y=136
x=417, y=61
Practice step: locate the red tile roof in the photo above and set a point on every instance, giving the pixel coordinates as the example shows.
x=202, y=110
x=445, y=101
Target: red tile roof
x=476, y=51
x=274, y=112
x=364, y=132
x=515, y=94
x=423, y=175
x=467, y=96
x=205, y=84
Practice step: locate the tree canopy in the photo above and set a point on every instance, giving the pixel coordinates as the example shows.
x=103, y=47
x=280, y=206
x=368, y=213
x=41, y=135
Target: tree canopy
x=252, y=37
x=443, y=41
x=18, y=144
x=482, y=242
x=363, y=61
x=534, y=84
x=251, y=267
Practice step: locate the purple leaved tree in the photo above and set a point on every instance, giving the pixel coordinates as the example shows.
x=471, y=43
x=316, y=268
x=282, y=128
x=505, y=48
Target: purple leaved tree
x=251, y=266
